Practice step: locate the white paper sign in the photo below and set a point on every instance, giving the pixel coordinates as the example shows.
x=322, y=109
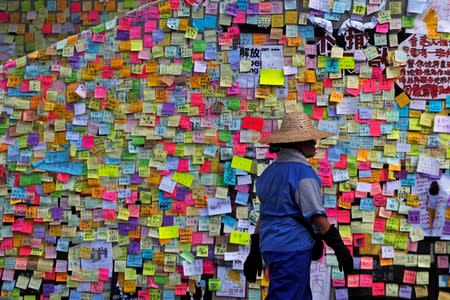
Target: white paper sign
x=442, y=124
x=217, y=206
x=194, y=269
x=428, y=165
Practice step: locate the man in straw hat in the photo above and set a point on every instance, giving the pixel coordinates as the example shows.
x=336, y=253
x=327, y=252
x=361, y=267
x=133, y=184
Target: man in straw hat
x=291, y=200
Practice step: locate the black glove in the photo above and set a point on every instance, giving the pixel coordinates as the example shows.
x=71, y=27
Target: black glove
x=253, y=264
x=334, y=240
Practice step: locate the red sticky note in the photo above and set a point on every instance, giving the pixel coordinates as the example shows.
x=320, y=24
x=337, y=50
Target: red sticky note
x=47, y=28
x=370, y=86
x=379, y=225
x=208, y=267
x=63, y=177
x=87, y=142
x=343, y=216
x=385, y=84
x=108, y=214
x=75, y=7
x=253, y=123
x=378, y=289
x=309, y=96
x=409, y=277
x=196, y=99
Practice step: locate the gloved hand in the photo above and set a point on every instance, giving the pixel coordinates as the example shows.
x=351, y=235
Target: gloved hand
x=253, y=264
x=334, y=240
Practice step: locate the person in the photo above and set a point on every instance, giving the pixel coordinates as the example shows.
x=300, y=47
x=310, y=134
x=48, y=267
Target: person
x=289, y=190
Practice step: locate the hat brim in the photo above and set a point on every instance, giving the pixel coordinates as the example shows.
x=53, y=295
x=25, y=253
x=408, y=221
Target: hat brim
x=281, y=137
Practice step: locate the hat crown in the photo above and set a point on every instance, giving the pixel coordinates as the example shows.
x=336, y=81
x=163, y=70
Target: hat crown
x=296, y=121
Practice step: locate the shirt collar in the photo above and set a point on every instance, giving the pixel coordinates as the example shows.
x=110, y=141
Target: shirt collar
x=291, y=155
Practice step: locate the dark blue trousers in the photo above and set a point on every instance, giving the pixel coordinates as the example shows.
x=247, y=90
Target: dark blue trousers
x=289, y=274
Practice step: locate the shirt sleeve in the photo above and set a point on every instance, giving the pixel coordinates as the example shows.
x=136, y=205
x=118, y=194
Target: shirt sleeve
x=309, y=198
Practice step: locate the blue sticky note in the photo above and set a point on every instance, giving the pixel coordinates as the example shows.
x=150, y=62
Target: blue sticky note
x=447, y=101
x=93, y=47
x=57, y=156
x=242, y=198
x=366, y=204
x=306, y=32
x=329, y=201
x=168, y=294
x=435, y=106
x=73, y=168
x=229, y=221
x=334, y=154
x=210, y=22
x=332, y=65
x=199, y=24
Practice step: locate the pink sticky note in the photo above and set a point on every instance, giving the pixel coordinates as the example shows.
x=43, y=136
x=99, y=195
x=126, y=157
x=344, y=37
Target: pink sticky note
x=150, y=25
x=109, y=195
x=382, y=28
x=366, y=263
x=87, y=142
x=309, y=96
x=378, y=289
x=365, y=280
x=240, y=17
x=63, y=177
x=353, y=280
x=100, y=92
x=103, y=274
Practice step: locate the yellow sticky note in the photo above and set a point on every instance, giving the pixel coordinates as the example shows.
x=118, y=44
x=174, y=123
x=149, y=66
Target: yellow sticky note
x=336, y=96
x=245, y=65
x=185, y=179
x=402, y=99
x=108, y=171
x=240, y=238
x=346, y=62
x=271, y=77
x=136, y=45
x=241, y=163
x=168, y=232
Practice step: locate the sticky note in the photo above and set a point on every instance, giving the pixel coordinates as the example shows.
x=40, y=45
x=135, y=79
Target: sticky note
x=168, y=232
x=241, y=163
x=271, y=77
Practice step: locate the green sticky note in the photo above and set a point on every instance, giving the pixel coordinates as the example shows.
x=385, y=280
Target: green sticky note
x=130, y=4
x=188, y=256
x=99, y=28
x=160, y=279
x=408, y=21
x=225, y=136
x=307, y=108
x=234, y=104
x=26, y=7
x=214, y=284
x=138, y=140
x=187, y=65
x=27, y=180
x=39, y=4
x=199, y=46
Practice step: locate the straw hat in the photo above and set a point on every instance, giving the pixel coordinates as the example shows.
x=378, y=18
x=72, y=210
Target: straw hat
x=296, y=127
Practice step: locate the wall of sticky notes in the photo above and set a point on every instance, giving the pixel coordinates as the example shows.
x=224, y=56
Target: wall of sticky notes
x=29, y=25
x=129, y=152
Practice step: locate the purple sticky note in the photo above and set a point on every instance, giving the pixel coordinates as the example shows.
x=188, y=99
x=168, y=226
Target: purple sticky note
x=38, y=232
x=446, y=229
x=405, y=291
x=122, y=35
x=414, y=216
x=132, y=224
x=56, y=213
x=122, y=227
x=168, y=109
x=47, y=289
x=33, y=139
x=252, y=9
x=133, y=247
x=341, y=294
x=181, y=194
x=135, y=179
x=167, y=220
